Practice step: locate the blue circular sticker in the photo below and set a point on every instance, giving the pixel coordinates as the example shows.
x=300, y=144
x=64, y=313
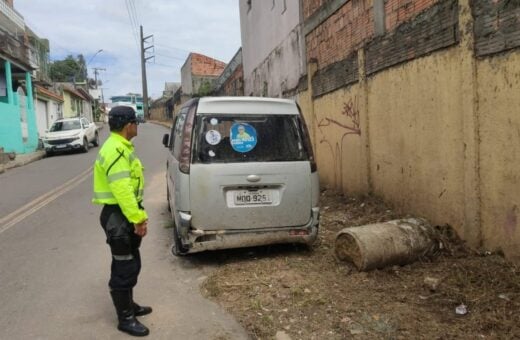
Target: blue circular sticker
x=243, y=137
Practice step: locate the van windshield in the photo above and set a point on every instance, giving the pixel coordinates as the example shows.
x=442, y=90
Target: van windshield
x=248, y=138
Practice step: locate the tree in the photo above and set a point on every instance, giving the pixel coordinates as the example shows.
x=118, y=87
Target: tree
x=69, y=69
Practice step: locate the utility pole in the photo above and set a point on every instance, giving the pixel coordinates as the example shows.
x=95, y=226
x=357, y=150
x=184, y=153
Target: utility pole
x=143, y=71
x=96, y=69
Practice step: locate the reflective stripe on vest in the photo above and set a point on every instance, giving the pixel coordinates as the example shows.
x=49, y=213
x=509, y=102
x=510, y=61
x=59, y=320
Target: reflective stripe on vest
x=123, y=257
x=118, y=175
x=103, y=195
x=100, y=159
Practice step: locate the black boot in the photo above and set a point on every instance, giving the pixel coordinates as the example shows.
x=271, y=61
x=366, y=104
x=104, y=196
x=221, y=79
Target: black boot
x=125, y=314
x=139, y=310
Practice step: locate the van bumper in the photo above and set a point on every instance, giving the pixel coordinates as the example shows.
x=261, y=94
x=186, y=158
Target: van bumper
x=200, y=240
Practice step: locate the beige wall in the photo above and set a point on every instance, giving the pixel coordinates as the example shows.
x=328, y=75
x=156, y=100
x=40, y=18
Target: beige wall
x=438, y=137
x=498, y=107
x=416, y=130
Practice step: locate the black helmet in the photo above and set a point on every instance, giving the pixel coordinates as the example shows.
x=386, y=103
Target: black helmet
x=119, y=116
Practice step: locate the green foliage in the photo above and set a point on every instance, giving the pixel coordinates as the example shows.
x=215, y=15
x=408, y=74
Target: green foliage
x=205, y=89
x=69, y=69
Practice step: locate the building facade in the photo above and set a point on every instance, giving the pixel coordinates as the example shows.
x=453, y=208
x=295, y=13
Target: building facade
x=18, y=131
x=273, y=47
x=231, y=81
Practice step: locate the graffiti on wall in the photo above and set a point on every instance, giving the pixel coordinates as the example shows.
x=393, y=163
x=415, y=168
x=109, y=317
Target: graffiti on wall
x=348, y=123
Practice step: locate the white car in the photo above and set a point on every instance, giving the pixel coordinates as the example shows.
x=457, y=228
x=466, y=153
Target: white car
x=70, y=134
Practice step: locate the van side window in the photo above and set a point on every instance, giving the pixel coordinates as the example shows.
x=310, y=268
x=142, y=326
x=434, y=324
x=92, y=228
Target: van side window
x=177, y=133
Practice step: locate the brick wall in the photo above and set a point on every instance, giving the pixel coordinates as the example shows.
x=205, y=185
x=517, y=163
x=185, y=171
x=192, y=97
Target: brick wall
x=234, y=85
x=202, y=65
x=336, y=75
x=497, y=25
x=433, y=29
x=411, y=29
x=311, y=6
x=342, y=33
x=399, y=11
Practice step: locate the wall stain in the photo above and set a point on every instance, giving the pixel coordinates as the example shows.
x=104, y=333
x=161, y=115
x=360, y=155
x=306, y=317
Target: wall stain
x=511, y=220
x=349, y=125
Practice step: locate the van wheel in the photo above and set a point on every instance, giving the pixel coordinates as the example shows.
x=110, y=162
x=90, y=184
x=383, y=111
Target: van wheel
x=177, y=248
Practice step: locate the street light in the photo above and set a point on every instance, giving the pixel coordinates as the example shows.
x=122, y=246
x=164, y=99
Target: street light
x=95, y=54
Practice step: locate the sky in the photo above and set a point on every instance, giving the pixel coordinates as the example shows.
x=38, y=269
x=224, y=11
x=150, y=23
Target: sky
x=209, y=27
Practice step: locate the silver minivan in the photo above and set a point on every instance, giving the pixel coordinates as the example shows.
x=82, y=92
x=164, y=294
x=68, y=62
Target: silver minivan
x=240, y=173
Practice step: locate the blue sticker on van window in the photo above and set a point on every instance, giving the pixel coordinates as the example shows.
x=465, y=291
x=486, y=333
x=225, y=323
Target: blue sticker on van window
x=243, y=137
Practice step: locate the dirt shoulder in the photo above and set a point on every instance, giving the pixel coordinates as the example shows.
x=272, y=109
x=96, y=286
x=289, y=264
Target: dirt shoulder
x=309, y=294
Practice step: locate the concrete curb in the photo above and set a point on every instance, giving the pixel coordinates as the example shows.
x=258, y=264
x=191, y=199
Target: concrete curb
x=21, y=160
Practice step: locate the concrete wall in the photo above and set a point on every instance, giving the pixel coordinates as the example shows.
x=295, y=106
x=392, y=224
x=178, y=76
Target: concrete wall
x=272, y=46
x=186, y=79
x=498, y=103
x=424, y=115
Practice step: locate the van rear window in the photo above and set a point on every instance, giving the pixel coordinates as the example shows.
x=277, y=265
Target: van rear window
x=248, y=138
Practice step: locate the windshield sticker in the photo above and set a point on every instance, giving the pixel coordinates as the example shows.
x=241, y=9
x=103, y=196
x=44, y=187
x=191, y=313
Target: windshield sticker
x=214, y=121
x=213, y=137
x=243, y=137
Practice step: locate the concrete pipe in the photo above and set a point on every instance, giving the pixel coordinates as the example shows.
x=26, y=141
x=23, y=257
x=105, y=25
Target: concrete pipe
x=379, y=245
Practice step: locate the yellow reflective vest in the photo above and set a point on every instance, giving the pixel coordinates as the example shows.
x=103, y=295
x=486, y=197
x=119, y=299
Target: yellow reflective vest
x=119, y=179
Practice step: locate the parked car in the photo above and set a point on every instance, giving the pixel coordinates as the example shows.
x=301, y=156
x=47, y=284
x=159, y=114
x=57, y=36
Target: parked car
x=240, y=172
x=70, y=134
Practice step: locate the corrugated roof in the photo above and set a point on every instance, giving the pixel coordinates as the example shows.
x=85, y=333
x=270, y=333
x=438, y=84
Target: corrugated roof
x=48, y=93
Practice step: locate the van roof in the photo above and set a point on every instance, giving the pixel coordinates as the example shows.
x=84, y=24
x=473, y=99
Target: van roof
x=247, y=105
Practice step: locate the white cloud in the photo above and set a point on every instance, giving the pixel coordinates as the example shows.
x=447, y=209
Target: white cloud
x=179, y=26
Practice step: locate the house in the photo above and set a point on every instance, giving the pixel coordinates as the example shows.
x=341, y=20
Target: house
x=77, y=102
x=198, y=75
x=163, y=107
x=49, y=107
x=18, y=131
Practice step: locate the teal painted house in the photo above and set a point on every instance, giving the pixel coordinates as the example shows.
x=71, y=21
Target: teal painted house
x=18, y=131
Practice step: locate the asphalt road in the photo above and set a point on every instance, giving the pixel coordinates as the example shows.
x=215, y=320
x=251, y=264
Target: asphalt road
x=54, y=263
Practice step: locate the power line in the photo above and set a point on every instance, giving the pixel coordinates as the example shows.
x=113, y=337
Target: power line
x=133, y=23
x=164, y=65
x=170, y=57
x=172, y=48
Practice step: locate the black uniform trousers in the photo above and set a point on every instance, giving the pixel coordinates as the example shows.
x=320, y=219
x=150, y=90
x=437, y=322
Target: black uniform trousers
x=124, y=246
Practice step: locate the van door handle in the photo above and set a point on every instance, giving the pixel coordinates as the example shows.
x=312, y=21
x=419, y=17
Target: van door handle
x=253, y=178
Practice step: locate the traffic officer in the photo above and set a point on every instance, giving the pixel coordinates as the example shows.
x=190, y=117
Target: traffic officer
x=118, y=186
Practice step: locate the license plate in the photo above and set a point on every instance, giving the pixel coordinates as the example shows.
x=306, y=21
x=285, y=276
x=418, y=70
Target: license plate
x=60, y=146
x=246, y=197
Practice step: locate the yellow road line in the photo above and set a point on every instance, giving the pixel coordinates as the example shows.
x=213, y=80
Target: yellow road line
x=38, y=203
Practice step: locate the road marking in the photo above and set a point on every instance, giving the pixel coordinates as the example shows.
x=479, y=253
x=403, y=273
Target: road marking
x=38, y=203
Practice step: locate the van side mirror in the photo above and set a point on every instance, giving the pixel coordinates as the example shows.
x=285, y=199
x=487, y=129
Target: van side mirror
x=165, y=140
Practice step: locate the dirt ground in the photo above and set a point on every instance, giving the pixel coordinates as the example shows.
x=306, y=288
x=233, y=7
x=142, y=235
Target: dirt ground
x=309, y=294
